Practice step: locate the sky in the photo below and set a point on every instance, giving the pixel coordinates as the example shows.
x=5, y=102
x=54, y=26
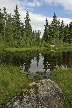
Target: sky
x=39, y=10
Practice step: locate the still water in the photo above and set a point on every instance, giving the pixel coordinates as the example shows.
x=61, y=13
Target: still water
x=32, y=61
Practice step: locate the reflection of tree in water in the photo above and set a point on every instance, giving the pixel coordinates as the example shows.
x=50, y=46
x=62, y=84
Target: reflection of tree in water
x=49, y=61
x=63, y=58
x=16, y=58
x=27, y=64
x=37, y=58
x=19, y=58
x=67, y=59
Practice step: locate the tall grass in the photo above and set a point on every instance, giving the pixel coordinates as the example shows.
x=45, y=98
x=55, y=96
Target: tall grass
x=64, y=79
x=11, y=81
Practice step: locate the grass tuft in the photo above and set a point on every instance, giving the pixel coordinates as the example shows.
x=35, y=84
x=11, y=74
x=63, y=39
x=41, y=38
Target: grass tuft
x=11, y=82
x=64, y=79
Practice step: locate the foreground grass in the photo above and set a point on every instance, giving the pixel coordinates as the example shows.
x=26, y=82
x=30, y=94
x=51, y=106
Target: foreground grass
x=64, y=79
x=11, y=82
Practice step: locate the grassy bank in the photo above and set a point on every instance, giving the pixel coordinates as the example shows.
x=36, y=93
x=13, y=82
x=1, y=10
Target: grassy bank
x=27, y=49
x=64, y=47
x=64, y=79
x=11, y=81
x=60, y=47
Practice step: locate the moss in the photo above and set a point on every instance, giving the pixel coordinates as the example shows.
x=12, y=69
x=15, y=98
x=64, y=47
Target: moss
x=33, y=86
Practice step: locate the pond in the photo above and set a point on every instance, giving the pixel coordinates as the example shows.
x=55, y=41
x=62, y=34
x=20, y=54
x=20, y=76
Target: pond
x=32, y=61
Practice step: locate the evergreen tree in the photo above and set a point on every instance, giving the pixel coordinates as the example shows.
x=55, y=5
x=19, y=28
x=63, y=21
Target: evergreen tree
x=16, y=26
x=22, y=29
x=4, y=19
x=9, y=31
x=66, y=32
x=69, y=40
x=61, y=36
x=38, y=37
x=54, y=28
x=28, y=30
x=58, y=28
x=14, y=33
x=1, y=23
x=46, y=32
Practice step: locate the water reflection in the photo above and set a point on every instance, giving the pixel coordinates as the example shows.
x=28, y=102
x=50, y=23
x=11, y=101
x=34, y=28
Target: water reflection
x=32, y=61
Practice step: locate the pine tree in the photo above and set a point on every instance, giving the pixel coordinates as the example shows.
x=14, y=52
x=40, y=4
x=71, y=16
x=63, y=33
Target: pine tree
x=69, y=40
x=46, y=32
x=58, y=32
x=16, y=25
x=9, y=31
x=22, y=29
x=28, y=29
x=38, y=37
x=61, y=36
x=1, y=23
x=4, y=19
x=54, y=28
x=66, y=33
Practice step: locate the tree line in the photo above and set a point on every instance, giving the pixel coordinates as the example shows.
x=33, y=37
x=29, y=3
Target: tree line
x=14, y=33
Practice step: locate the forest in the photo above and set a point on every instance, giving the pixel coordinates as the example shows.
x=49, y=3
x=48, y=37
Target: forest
x=14, y=33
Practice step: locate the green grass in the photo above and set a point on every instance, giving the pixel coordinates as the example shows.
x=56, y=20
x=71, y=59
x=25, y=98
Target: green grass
x=26, y=49
x=61, y=47
x=64, y=79
x=11, y=82
x=64, y=47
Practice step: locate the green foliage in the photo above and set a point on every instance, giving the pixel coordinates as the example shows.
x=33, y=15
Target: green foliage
x=46, y=32
x=64, y=79
x=61, y=36
x=16, y=34
x=9, y=31
x=1, y=22
x=11, y=82
x=16, y=25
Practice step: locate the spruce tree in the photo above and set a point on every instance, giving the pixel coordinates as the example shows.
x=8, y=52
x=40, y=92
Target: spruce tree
x=1, y=23
x=9, y=31
x=58, y=31
x=61, y=36
x=4, y=19
x=28, y=30
x=66, y=33
x=69, y=39
x=38, y=37
x=16, y=26
x=46, y=32
x=54, y=28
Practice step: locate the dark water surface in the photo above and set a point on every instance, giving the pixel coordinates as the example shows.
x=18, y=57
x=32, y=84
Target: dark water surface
x=37, y=61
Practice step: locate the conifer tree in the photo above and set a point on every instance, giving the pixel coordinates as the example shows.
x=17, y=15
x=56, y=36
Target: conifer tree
x=1, y=23
x=66, y=32
x=69, y=39
x=4, y=19
x=46, y=32
x=38, y=33
x=61, y=36
x=16, y=25
x=58, y=32
x=28, y=29
x=54, y=28
x=9, y=30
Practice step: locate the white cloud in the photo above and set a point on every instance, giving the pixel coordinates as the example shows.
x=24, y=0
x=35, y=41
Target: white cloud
x=67, y=4
x=35, y=3
x=37, y=20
